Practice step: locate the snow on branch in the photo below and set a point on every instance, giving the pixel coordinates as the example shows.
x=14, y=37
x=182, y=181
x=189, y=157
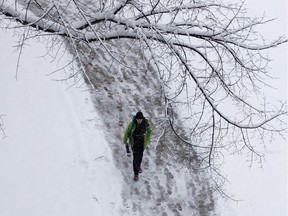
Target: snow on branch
x=27, y=18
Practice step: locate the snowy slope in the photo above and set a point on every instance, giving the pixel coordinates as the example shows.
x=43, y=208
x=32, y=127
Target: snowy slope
x=54, y=160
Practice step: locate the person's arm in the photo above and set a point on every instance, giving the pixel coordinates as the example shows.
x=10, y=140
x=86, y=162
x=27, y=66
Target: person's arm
x=147, y=134
x=125, y=139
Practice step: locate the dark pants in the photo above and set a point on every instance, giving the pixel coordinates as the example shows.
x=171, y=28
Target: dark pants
x=138, y=149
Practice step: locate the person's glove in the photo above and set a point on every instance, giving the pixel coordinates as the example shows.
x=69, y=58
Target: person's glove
x=128, y=150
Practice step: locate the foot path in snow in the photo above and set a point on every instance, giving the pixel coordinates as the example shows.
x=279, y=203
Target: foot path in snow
x=165, y=187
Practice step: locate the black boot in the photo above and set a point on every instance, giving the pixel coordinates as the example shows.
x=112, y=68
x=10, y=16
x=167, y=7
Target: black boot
x=140, y=170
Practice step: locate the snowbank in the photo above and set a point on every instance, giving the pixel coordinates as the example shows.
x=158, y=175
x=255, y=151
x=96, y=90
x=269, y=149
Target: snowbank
x=54, y=160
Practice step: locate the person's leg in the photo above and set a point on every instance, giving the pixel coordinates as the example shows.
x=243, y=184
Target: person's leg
x=140, y=157
x=136, y=160
x=138, y=149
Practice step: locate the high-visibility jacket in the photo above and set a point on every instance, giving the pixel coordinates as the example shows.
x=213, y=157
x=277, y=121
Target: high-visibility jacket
x=130, y=130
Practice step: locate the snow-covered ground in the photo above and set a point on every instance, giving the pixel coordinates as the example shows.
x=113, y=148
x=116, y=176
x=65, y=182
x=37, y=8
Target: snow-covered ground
x=55, y=160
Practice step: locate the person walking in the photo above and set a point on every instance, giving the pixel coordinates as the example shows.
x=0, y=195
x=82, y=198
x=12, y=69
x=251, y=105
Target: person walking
x=138, y=132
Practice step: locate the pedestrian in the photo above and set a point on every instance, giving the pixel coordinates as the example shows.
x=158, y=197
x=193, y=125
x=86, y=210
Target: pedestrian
x=138, y=132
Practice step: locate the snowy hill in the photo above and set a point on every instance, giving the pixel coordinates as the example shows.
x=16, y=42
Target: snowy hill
x=54, y=160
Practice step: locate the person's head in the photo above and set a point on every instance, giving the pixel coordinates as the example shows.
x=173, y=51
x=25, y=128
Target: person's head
x=139, y=117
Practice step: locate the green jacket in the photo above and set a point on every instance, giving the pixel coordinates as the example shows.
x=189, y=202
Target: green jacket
x=131, y=128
